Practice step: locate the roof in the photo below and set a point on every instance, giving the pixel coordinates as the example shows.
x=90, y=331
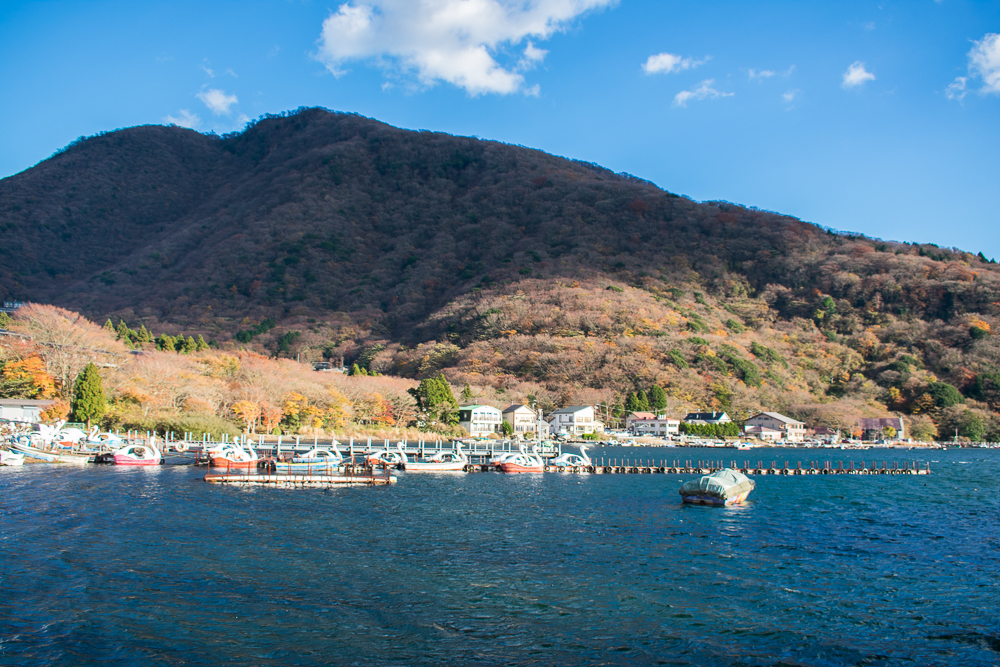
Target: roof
x=641, y=415
x=570, y=409
x=476, y=407
x=26, y=402
x=515, y=407
x=877, y=423
x=777, y=416
x=705, y=416
x=761, y=429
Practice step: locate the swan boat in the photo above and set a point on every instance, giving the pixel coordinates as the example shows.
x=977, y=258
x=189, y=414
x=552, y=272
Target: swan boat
x=318, y=460
x=568, y=460
x=138, y=455
x=440, y=462
x=11, y=458
x=386, y=457
x=523, y=463
x=724, y=487
x=232, y=455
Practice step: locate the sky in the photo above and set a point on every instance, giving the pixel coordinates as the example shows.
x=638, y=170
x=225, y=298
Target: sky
x=874, y=117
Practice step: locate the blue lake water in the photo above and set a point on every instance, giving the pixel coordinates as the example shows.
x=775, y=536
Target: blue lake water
x=129, y=566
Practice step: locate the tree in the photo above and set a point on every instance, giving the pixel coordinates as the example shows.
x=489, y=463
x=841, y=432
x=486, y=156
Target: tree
x=189, y=345
x=657, y=398
x=506, y=428
x=5, y=320
x=124, y=333
x=109, y=327
x=355, y=370
x=944, y=394
x=248, y=412
x=436, y=400
x=202, y=345
x=467, y=393
x=143, y=336
x=642, y=401
x=89, y=402
x=26, y=378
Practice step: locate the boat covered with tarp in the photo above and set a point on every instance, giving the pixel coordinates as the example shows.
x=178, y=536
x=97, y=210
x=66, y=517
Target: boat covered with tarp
x=724, y=487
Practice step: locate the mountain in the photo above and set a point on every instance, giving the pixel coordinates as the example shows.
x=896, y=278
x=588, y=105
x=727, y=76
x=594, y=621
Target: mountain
x=413, y=252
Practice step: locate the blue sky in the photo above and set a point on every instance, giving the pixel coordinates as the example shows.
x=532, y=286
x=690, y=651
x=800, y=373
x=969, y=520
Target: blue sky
x=876, y=117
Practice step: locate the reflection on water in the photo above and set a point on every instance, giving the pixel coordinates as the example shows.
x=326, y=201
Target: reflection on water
x=108, y=565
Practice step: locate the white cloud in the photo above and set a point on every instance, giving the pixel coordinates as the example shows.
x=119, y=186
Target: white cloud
x=984, y=62
x=209, y=72
x=231, y=73
x=456, y=41
x=665, y=63
x=761, y=74
x=217, y=101
x=704, y=91
x=790, y=96
x=856, y=75
x=956, y=89
x=184, y=118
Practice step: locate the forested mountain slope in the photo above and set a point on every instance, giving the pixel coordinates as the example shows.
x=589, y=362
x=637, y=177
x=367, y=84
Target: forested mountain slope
x=416, y=251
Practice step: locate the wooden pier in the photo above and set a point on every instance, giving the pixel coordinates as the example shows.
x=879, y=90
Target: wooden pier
x=322, y=477
x=650, y=467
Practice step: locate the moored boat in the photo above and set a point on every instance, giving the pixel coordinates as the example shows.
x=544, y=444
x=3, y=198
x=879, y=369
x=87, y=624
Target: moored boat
x=233, y=455
x=440, y=462
x=316, y=461
x=138, y=455
x=11, y=458
x=33, y=452
x=568, y=460
x=723, y=487
x=523, y=463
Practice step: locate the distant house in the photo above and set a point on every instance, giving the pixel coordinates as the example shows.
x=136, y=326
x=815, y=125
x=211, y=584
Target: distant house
x=574, y=420
x=875, y=428
x=764, y=433
x=707, y=418
x=791, y=430
x=652, y=425
x=22, y=409
x=479, y=420
x=524, y=420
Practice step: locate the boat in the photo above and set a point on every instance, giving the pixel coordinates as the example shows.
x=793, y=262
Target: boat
x=524, y=463
x=232, y=455
x=568, y=460
x=11, y=458
x=500, y=458
x=138, y=455
x=724, y=487
x=385, y=457
x=33, y=452
x=315, y=461
x=440, y=462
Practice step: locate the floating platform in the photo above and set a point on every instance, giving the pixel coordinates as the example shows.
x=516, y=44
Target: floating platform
x=294, y=481
x=649, y=467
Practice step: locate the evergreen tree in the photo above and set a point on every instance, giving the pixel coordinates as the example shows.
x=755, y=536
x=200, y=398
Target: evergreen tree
x=189, y=345
x=355, y=370
x=506, y=428
x=631, y=403
x=144, y=336
x=657, y=398
x=89, y=403
x=467, y=393
x=642, y=401
x=202, y=345
x=122, y=330
x=109, y=327
x=436, y=400
x=5, y=320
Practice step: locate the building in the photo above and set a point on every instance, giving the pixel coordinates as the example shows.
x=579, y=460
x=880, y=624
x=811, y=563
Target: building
x=877, y=428
x=574, y=420
x=707, y=418
x=23, y=409
x=791, y=429
x=479, y=420
x=764, y=433
x=524, y=420
x=652, y=425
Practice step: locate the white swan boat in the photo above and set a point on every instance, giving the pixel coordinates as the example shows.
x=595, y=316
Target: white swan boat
x=232, y=455
x=138, y=455
x=11, y=458
x=524, y=463
x=568, y=460
x=387, y=457
x=440, y=462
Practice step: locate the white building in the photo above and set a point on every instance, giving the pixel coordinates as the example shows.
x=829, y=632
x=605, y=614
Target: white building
x=574, y=420
x=524, y=420
x=22, y=409
x=479, y=420
x=707, y=418
x=791, y=430
x=653, y=425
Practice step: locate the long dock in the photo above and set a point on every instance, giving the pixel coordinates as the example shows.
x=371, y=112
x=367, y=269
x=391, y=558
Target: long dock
x=650, y=467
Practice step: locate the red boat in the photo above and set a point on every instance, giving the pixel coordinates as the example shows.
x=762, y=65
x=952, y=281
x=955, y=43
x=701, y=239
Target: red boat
x=523, y=463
